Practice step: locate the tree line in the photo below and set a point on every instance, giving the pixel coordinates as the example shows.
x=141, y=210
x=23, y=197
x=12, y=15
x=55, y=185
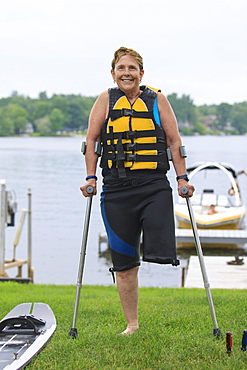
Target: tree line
x=64, y=114
x=209, y=119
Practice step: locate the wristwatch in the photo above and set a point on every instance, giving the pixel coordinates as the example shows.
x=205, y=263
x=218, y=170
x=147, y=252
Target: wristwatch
x=183, y=177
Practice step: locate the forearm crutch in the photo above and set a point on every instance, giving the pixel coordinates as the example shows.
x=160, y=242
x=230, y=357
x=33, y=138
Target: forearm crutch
x=216, y=330
x=73, y=330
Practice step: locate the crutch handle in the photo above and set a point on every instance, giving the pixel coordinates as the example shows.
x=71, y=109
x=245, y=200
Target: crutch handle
x=184, y=190
x=89, y=189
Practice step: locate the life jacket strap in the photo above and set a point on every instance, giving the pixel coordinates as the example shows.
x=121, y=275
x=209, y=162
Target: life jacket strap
x=159, y=145
x=128, y=147
x=125, y=112
x=120, y=157
x=129, y=157
x=128, y=135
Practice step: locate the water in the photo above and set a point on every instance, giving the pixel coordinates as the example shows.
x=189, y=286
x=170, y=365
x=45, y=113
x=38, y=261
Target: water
x=54, y=169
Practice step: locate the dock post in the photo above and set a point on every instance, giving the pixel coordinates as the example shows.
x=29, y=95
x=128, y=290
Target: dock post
x=29, y=235
x=2, y=224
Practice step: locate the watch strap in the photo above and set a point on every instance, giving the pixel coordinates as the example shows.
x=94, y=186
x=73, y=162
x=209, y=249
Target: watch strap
x=183, y=177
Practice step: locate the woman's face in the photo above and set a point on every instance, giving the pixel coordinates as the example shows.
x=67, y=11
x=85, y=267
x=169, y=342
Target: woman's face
x=127, y=73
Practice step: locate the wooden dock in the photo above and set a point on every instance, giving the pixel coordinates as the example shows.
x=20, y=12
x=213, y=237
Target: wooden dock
x=220, y=274
x=207, y=236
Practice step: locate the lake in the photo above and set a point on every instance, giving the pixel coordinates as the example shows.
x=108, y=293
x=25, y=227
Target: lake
x=54, y=170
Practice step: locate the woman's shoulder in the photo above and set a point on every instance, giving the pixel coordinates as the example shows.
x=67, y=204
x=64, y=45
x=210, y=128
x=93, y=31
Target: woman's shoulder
x=161, y=97
x=103, y=98
x=104, y=94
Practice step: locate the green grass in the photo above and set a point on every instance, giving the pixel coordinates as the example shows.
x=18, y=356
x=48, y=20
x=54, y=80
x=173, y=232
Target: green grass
x=176, y=329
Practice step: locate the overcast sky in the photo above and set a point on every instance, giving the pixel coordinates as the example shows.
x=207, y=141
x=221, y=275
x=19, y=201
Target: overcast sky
x=193, y=47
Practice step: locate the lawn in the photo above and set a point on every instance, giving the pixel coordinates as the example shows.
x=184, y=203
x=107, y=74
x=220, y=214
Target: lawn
x=176, y=328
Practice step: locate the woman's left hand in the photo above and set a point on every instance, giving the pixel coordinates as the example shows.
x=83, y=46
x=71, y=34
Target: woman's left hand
x=190, y=188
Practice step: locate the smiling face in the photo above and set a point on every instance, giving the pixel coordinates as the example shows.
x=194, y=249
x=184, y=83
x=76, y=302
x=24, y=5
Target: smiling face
x=127, y=74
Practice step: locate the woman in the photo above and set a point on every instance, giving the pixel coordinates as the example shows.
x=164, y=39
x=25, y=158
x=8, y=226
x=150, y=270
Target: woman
x=136, y=126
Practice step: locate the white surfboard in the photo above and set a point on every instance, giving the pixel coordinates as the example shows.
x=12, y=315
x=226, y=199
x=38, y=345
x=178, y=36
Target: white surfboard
x=24, y=331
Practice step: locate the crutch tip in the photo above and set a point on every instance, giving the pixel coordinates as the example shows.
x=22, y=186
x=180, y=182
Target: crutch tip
x=73, y=333
x=217, y=333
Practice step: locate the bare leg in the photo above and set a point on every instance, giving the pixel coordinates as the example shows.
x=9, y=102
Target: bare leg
x=127, y=283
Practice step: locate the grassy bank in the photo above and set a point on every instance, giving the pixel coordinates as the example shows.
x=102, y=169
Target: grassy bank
x=176, y=329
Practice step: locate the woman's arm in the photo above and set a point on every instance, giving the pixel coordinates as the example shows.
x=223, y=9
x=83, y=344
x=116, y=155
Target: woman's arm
x=97, y=118
x=169, y=124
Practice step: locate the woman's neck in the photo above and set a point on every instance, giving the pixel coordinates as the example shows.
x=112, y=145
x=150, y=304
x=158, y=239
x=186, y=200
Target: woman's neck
x=132, y=95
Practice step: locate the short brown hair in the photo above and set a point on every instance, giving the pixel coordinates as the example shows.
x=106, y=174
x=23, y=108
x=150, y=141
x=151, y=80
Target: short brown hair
x=126, y=51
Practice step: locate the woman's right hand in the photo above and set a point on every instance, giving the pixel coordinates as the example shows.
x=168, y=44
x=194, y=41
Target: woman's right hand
x=83, y=188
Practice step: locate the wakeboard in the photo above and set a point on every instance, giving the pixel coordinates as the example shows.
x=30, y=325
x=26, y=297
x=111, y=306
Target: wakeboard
x=24, y=331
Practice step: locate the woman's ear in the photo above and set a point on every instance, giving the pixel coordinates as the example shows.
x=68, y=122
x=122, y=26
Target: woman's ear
x=113, y=75
x=141, y=75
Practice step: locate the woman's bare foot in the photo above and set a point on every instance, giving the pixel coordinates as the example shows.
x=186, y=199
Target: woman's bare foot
x=130, y=329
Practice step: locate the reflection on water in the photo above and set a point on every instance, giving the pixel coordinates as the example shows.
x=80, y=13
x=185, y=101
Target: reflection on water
x=54, y=169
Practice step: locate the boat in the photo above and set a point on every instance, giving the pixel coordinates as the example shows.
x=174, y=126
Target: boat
x=213, y=206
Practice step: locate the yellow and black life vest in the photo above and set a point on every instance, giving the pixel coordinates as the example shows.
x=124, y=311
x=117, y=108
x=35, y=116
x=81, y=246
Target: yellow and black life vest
x=131, y=136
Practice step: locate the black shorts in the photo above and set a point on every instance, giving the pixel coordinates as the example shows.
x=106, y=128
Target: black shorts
x=140, y=203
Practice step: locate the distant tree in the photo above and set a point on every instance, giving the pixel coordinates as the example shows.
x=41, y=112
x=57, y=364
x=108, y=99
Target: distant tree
x=75, y=115
x=6, y=125
x=14, y=93
x=75, y=108
x=239, y=117
x=43, y=125
x=18, y=116
x=201, y=128
x=206, y=110
x=183, y=107
x=25, y=102
x=43, y=96
x=223, y=112
x=71, y=112
x=42, y=108
x=60, y=102
x=57, y=120
x=186, y=131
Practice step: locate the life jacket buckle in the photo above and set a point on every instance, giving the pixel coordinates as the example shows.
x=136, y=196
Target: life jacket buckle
x=130, y=134
x=130, y=157
x=128, y=112
x=130, y=146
